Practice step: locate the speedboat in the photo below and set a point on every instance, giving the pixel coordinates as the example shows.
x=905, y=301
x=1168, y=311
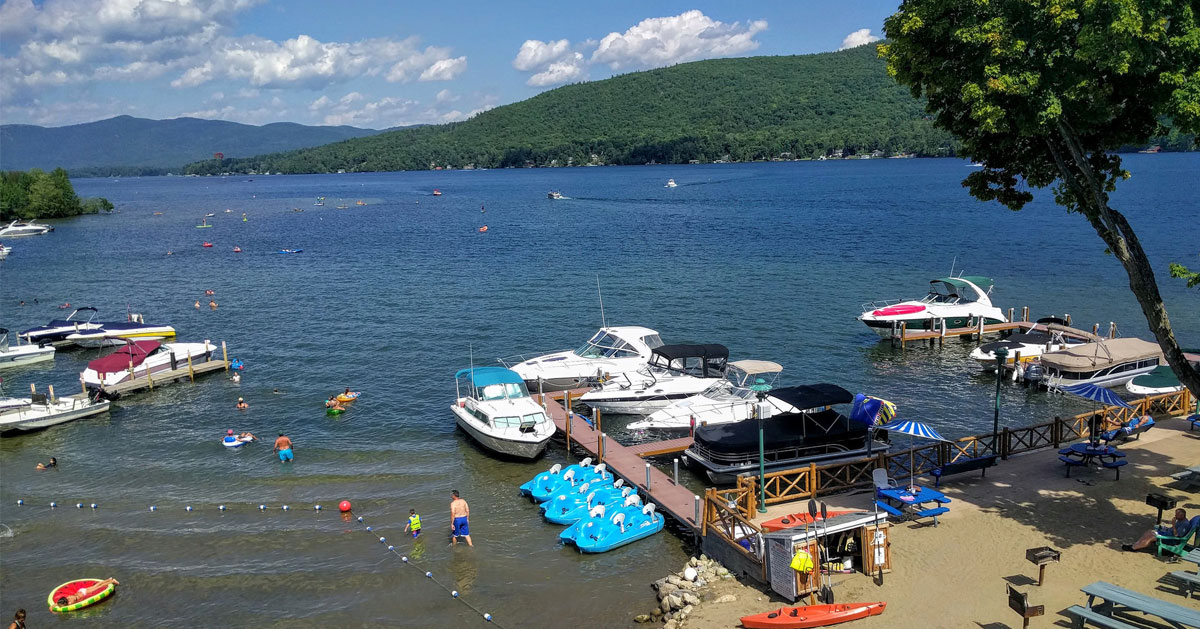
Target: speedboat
x=1161, y=379
x=18, y=228
x=730, y=399
x=80, y=320
x=114, y=333
x=957, y=302
x=610, y=352
x=1023, y=346
x=670, y=183
x=493, y=406
x=814, y=433
x=674, y=372
x=39, y=411
x=554, y=195
x=139, y=358
x=21, y=355
x=4, y=251
x=1102, y=362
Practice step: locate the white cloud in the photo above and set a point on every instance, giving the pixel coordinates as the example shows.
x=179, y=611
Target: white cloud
x=444, y=69
x=446, y=96
x=360, y=111
x=536, y=53
x=559, y=72
x=858, y=38
x=663, y=41
x=408, y=63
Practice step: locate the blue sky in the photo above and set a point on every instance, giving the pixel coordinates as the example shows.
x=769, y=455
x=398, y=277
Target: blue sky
x=370, y=64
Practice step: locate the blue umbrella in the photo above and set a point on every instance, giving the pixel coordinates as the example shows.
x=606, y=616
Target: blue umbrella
x=913, y=429
x=1096, y=394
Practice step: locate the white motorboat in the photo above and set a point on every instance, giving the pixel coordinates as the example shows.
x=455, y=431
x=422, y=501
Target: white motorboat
x=115, y=333
x=18, y=228
x=730, y=399
x=1103, y=362
x=139, y=358
x=1161, y=379
x=57, y=330
x=23, y=414
x=674, y=372
x=1023, y=346
x=670, y=183
x=610, y=352
x=955, y=302
x=554, y=194
x=494, y=407
x=4, y=251
x=21, y=355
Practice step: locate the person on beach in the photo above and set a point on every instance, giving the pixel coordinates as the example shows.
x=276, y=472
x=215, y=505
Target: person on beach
x=1177, y=527
x=414, y=523
x=283, y=446
x=45, y=466
x=18, y=620
x=86, y=593
x=242, y=405
x=460, y=513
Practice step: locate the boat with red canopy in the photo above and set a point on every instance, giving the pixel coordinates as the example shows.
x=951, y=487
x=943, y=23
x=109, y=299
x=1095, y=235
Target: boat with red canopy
x=139, y=358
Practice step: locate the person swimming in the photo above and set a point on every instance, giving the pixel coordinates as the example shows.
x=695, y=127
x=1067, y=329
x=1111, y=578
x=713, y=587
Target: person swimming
x=242, y=405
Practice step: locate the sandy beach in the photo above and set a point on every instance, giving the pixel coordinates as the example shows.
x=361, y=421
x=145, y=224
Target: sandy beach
x=954, y=575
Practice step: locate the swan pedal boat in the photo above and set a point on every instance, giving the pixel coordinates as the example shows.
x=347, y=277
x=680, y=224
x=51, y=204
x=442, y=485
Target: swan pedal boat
x=571, y=507
x=627, y=525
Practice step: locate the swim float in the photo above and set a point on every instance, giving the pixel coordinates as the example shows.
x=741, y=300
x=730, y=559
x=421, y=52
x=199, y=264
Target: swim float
x=348, y=397
x=71, y=587
x=334, y=411
x=230, y=441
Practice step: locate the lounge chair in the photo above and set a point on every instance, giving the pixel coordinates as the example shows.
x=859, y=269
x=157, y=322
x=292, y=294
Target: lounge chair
x=1175, y=545
x=882, y=481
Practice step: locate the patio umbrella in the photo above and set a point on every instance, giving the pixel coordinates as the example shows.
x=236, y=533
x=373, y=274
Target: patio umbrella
x=1096, y=394
x=913, y=429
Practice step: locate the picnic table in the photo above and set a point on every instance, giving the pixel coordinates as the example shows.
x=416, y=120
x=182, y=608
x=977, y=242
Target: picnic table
x=1086, y=455
x=1189, y=582
x=912, y=502
x=1119, y=600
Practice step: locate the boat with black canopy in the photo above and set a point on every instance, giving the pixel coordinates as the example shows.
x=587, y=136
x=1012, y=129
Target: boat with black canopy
x=674, y=372
x=1025, y=346
x=817, y=434
x=56, y=332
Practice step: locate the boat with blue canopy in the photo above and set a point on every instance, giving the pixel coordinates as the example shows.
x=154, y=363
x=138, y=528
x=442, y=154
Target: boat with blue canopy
x=494, y=407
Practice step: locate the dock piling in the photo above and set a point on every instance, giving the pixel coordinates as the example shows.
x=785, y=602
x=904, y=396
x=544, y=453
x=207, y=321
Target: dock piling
x=32, y=389
x=676, y=470
x=51, y=387
x=1068, y=318
x=1096, y=329
x=191, y=372
x=225, y=356
x=647, y=477
x=1025, y=313
x=600, y=448
x=1010, y=314
x=696, y=501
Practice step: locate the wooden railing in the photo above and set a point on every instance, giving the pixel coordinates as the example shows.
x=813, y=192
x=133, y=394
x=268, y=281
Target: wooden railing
x=724, y=517
x=814, y=480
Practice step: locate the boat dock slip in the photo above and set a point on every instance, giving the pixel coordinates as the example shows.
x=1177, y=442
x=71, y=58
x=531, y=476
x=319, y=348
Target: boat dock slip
x=901, y=336
x=188, y=369
x=626, y=462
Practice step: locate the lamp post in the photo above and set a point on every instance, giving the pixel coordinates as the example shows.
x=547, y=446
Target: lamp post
x=762, y=411
x=1001, y=355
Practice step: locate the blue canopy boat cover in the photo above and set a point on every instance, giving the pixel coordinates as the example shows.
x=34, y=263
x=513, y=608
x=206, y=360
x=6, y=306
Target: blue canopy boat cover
x=483, y=376
x=1096, y=393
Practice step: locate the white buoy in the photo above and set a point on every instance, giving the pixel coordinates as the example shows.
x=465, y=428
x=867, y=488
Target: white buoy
x=153, y=508
x=53, y=505
x=20, y=502
x=487, y=617
x=368, y=529
x=79, y=505
x=382, y=540
x=316, y=507
x=454, y=593
x=94, y=505
x=391, y=548
x=285, y=507
x=360, y=518
x=262, y=507
x=222, y=507
x=188, y=508
x=404, y=559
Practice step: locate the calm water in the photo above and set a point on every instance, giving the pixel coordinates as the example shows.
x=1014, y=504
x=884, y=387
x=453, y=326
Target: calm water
x=772, y=260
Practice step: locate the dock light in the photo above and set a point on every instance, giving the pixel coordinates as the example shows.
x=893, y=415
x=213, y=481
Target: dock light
x=762, y=411
x=1001, y=355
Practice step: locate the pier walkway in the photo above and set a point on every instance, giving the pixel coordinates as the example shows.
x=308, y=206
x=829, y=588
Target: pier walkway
x=186, y=370
x=626, y=462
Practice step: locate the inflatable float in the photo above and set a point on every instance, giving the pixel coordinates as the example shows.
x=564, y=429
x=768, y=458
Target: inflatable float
x=812, y=615
x=348, y=397
x=230, y=441
x=71, y=587
x=207, y=245
x=334, y=411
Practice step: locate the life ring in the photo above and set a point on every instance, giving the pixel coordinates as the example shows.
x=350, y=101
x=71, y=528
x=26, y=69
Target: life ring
x=71, y=587
x=230, y=441
x=348, y=397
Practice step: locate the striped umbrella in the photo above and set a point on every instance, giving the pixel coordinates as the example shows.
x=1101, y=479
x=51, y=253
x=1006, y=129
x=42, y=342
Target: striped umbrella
x=913, y=429
x=1099, y=394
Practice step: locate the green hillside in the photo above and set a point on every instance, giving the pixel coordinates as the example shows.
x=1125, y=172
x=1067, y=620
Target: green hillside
x=733, y=109
x=127, y=145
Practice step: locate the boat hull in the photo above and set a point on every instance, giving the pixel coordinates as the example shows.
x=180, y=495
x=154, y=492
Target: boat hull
x=520, y=449
x=36, y=419
x=721, y=474
x=883, y=327
x=19, y=358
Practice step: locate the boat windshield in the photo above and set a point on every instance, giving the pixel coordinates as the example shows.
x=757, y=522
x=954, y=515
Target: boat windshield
x=605, y=345
x=942, y=293
x=514, y=421
x=502, y=391
x=652, y=341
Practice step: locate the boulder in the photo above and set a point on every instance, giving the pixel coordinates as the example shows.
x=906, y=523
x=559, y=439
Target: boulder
x=656, y=615
x=665, y=604
x=671, y=624
x=675, y=601
x=728, y=598
x=676, y=581
x=642, y=618
x=722, y=571
x=667, y=588
x=690, y=573
x=701, y=583
x=690, y=599
x=703, y=557
x=693, y=562
x=683, y=613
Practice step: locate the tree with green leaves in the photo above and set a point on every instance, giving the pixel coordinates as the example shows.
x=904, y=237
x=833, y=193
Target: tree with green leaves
x=38, y=194
x=1041, y=92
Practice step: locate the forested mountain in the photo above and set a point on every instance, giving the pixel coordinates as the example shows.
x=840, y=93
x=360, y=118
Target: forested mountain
x=732, y=109
x=139, y=144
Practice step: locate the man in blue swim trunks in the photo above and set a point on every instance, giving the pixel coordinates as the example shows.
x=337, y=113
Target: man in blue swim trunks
x=283, y=446
x=459, y=513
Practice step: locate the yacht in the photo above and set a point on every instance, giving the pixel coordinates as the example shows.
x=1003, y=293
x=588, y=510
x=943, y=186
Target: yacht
x=553, y=194
x=80, y=320
x=1103, y=362
x=730, y=399
x=958, y=302
x=21, y=355
x=18, y=228
x=32, y=413
x=814, y=432
x=670, y=184
x=494, y=407
x=115, y=333
x=673, y=373
x=1025, y=345
x=610, y=352
x=139, y=358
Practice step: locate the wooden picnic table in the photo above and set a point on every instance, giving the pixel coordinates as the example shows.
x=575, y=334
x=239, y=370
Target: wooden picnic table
x=1118, y=599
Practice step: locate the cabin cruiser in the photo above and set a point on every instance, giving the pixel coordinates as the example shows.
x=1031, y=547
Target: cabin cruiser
x=1025, y=346
x=494, y=407
x=32, y=413
x=57, y=330
x=138, y=358
x=673, y=373
x=670, y=184
x=18, y=228
x=813, y=432
x=21, y=355
x=730, y=399
x=610, y=352
x=956, y=302
x=554, y=194
x=1103, y=362
x=115, y=333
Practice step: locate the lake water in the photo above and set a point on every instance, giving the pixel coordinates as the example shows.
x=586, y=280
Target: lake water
x=390, y=298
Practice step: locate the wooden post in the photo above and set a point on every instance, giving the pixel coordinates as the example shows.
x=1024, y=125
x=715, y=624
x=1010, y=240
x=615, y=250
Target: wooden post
x=752, y=498
x=191, y=373
x=600, y=454
x=813, y=486
x=131, y=376
x=149, y=380
x=32, y=389
x=1096, y=329
x=903, y=332
x=224, y=357
x=1025, y=313
x=1010, y=314
x=1112, y=329
x=1056, y=431
x=51, y=387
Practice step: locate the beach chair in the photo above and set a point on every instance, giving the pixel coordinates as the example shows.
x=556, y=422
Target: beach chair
x=880, y=476
x=1175, y=545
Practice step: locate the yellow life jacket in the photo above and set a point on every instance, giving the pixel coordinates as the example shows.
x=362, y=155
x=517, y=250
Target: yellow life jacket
x=802, y=561
x=414, y=522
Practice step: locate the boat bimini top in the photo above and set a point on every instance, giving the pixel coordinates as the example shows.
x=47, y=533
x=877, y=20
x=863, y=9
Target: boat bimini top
x=959, y=290
x=701, y=361
x=492, y=383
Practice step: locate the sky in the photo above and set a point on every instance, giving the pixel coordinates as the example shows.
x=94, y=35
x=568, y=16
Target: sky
x=371, y=64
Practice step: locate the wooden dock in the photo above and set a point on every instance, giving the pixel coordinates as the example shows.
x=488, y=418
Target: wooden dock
x=901, y=335
x=187, y=371
x=626, y=462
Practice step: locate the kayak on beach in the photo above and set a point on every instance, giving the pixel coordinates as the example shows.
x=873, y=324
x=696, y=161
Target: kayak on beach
x=812, y=615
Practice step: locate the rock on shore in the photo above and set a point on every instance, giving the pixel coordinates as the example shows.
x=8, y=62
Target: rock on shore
x=680, y=593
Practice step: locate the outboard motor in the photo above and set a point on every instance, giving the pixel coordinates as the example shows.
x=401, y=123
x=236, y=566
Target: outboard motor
x=1033, y=374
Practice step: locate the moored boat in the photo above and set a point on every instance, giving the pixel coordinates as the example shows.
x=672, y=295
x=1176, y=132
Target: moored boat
x=955, y=302
x=139, y=358
x=730, y=399
x=674, y=372
x=494, y=407
x=39, y=411
x=19, y=228
x=812, y=615
x=1161, y=379
x=1024, y=346
x=20, y=355
x=554, y=194
x=58, y=329
x=115, y=333
x=610, y=352
x=1103, y=362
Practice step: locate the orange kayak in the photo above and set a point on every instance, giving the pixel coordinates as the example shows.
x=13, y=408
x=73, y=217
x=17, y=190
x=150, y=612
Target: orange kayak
x=812, y=615
x=795, y=519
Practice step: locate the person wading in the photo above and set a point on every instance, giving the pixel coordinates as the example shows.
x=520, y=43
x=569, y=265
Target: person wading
x=460, y=512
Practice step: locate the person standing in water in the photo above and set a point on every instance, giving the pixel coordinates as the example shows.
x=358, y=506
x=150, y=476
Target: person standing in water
x=460, y=513
x=414, y=523
x=283, y=446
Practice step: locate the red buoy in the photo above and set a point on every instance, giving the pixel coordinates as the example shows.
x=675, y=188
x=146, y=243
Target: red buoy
x=344, y=506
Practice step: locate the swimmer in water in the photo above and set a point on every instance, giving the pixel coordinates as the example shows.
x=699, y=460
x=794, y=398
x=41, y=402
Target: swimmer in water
x=236, y=377
x=333, y=404
x=242, y=405
x=197, y=304
x=212, y=304
x=276, y=391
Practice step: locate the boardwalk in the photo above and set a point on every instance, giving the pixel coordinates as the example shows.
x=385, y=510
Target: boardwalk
x=626, y=462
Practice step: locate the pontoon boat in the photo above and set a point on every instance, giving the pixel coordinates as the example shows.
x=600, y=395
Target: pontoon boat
x=674, y=372
x=493, y=406
x=1103, y=362
x=956, y=302
x=609, y=353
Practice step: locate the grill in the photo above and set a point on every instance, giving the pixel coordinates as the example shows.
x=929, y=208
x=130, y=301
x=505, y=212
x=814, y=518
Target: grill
x=1041, y=556
x=1160, y=502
